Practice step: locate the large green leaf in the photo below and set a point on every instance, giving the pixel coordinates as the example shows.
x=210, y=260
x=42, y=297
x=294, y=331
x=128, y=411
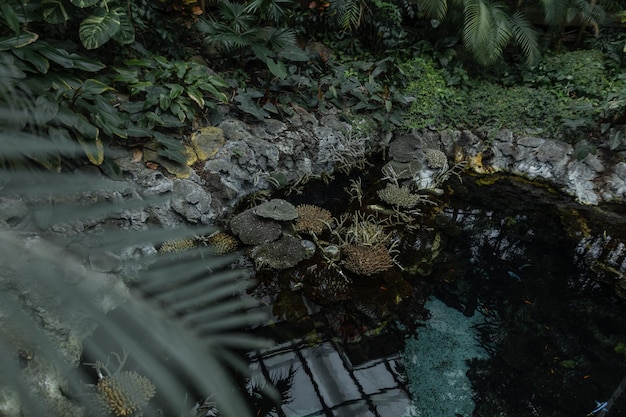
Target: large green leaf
x=277, y=68
x=99, y=27
x=47, y=109
x=126, y=34
x=54, y=11
x=10, y=17
x=86, y=64
x=17, y=41
x=94, y=87
x=89, y=138
x=39, y=62
x=57, y=55
x=196, y=96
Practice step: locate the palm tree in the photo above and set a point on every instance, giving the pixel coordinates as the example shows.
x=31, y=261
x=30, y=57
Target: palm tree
x=180, y=323
x=488, y=28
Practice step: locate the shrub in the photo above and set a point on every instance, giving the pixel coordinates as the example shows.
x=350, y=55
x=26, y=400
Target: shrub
x=575, y=74
x=519, y=108
x=427, y=86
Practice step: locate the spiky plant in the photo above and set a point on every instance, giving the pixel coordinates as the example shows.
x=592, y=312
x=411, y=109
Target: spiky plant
x=180, y=321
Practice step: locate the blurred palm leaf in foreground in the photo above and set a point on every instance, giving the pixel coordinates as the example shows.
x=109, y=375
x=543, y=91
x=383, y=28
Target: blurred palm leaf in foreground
x=180, y=323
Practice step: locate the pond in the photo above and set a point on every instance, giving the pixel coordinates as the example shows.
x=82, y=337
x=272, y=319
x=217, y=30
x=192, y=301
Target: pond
x=503, y=302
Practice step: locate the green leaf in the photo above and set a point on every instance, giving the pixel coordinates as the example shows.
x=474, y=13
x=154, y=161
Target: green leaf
x=40, y=63
x=295, y=54
x=277, y=68
x=46, y=110
x=196, y=96
x=164, y=102
x=85, y=128
x=152, y=116
x=56, y=55
x=175, y=90
x=54, y=11
x=112, y=170
x=250, y=107
x=93, y=149
x=170, y=148
x=126, y=34
x=84, y=3
x=584, y=148
x=99, y=27
x=22, y=39
x=10, y=17
x=94, y=87
x=134, y=106
x=66, y=117
x=86, y=64
x=89, y=138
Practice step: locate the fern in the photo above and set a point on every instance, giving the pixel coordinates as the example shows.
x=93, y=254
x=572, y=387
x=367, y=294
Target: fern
x=435, y=9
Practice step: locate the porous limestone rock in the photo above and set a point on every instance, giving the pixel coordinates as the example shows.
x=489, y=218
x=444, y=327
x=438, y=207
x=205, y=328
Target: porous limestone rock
x=283, y=253
x=276, y=209
x=254, y=230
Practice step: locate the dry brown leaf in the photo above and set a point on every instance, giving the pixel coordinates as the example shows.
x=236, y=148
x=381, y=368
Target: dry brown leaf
x=137, y=155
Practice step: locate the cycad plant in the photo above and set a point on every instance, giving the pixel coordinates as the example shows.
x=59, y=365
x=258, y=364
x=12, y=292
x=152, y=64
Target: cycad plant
x=180, y=322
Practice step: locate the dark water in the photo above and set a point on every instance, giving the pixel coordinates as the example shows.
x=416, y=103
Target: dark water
x=538, y=267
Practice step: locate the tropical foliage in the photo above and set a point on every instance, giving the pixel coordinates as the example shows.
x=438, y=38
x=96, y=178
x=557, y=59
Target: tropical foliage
x=79, y=75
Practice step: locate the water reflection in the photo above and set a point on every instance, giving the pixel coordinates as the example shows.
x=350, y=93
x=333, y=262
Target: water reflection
x=542, y=275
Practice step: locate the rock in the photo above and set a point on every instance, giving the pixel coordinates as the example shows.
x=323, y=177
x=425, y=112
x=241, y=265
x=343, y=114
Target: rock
x=253, y=230
x=207, y=141
x=277, y=209
x=13, y=212
x=192, y=202
x=104, y=261
x=405, y=148
x=284, y=253
x=403, y=170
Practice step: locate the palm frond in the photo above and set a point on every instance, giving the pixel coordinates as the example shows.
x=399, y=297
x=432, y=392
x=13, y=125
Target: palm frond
x=182, y=315
x=478, y=28
x=501, y=33
x=275, y=10
x=279, y=39
x=348, y=13
x=235, y=16
x=525, y=36
x=435, y=9
x=554, y=11
x=591, y=14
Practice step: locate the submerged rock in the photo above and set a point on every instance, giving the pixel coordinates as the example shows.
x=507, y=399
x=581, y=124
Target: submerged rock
x=254, y=230
x=276, y=209
x=283, y=253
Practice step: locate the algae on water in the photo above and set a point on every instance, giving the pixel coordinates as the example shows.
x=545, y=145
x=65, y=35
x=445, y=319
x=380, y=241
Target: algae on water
x=437, y=363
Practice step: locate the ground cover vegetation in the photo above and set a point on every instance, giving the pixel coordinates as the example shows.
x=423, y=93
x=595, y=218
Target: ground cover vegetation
x=84, y=74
